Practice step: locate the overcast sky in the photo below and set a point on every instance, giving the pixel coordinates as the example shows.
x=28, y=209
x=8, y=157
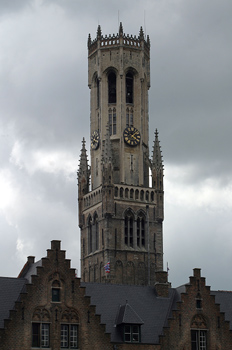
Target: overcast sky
x=44, y=114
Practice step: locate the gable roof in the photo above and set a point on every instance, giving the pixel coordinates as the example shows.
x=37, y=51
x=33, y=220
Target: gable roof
x=127, y=315
x=144, y=305
x=10, y=289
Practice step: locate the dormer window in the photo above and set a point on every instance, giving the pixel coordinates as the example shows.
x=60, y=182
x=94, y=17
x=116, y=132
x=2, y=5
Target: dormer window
x=132, y=333
x=129, y=324
x=56, y=291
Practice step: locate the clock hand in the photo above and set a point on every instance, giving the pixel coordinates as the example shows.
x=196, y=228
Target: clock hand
x=134, y=134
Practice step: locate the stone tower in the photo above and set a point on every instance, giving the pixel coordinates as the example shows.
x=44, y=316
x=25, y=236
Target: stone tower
x=120, y=209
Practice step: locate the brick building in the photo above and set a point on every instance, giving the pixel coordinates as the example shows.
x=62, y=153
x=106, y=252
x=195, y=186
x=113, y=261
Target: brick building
x=123, y=300
x=48, y=307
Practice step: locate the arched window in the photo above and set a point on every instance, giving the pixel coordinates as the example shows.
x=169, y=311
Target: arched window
x=90, y=236
x=129, y=88
x=112, y=87
x=126, y=192
x=112, y=121
x=129, y=229
x=141, y=231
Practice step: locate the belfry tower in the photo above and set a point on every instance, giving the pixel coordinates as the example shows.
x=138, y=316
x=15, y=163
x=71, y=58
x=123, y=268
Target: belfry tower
x=121, y=196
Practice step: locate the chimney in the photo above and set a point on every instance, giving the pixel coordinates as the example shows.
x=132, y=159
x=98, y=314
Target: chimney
x=161, y=284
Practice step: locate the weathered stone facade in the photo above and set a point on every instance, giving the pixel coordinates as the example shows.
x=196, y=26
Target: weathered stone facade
x=120, y=213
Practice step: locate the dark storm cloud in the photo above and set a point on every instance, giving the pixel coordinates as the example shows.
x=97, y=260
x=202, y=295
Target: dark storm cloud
x=192, y=84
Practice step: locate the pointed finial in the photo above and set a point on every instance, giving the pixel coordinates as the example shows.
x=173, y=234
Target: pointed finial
x=141, y=35
x=89, y=41
x=83, y=143
x=148, y=40
x=120, y=29
x=99, y=32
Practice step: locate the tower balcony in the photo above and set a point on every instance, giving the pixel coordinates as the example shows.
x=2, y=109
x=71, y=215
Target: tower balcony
x=122, y=192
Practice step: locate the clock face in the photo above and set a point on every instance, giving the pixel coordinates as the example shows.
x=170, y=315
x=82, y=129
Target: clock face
x=95, y=139
x=132, y=136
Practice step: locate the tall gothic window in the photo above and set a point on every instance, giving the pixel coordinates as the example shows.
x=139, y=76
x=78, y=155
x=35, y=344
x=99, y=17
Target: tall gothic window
x=90, y=236
x=112, y=121
x=96, y=233
x=98, y=92
x=141, y=231
x=129, y=117
x=112, y=88
x=129, y=88
x=129, y=230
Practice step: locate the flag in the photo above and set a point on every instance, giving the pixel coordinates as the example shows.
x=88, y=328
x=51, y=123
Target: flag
x=107, y=267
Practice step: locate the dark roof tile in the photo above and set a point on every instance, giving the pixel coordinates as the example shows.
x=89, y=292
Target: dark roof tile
x=10, y=289
x=153, y=310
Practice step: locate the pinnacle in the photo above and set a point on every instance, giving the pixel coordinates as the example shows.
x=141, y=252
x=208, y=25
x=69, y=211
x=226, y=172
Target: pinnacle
x=141, y=34
x=157, y=161
x=83, y=165
x=120, y=29
x=89, y=41
x=99, y=32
